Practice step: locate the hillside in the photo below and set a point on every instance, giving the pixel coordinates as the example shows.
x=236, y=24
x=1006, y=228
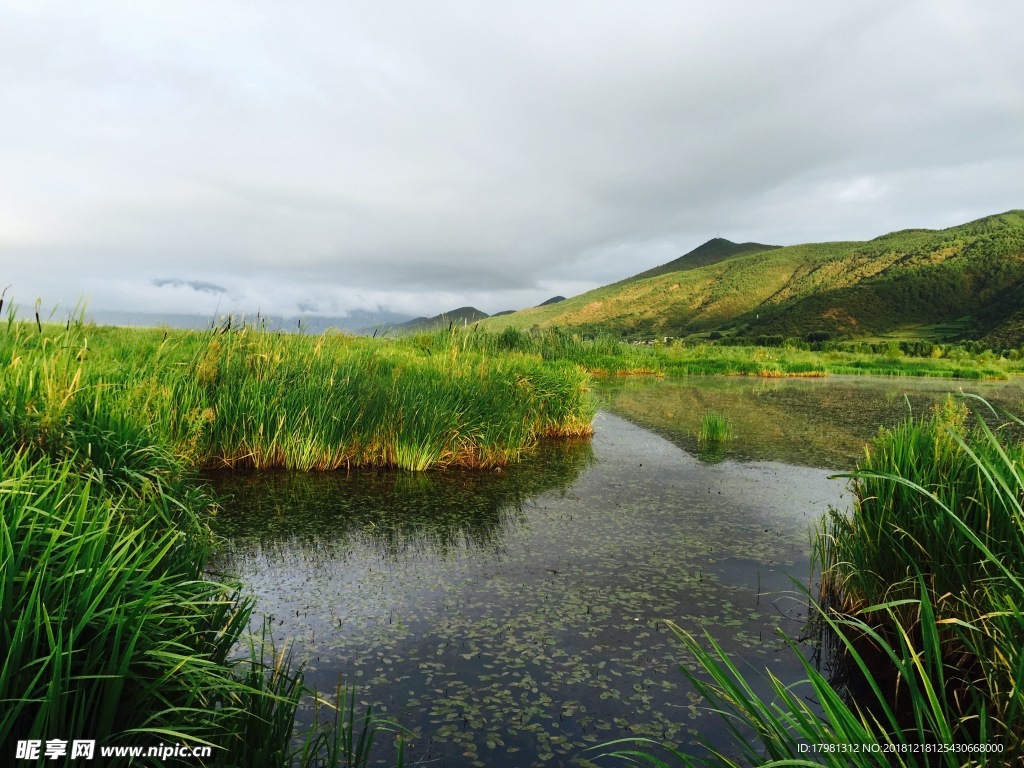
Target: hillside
x=458, y=316
x=713, y=251
x=969, y=276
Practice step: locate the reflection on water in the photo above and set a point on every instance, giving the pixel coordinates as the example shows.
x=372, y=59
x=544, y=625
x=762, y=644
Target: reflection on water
x=514, y=618
x=534, y=630
x=434, y=513
x=813, y=422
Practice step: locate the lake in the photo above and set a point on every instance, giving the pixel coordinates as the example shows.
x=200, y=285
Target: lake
x=516, y=617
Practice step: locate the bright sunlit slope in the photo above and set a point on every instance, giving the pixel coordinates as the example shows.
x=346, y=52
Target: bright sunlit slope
x=969, y=276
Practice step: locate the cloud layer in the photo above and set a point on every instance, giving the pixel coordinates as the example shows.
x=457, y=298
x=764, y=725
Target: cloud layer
x=418, y=157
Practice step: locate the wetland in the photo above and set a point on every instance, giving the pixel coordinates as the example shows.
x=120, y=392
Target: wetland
x=515, y=616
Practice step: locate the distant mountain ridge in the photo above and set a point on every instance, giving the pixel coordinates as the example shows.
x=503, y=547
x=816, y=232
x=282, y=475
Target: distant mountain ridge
x=969, y=276
x=459, y=316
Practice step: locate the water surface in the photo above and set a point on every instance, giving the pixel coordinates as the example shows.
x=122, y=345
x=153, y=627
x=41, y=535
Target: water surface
x=808, y=421
x=515, y=618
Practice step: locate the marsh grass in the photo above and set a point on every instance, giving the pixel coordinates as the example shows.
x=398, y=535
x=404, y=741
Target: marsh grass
x=692, y=359
x=347, y=736
x=922, y=599
x=895, y=526
x=605, y=354
x=111, y=631
x=246, y=397
x=264, y=733
x=715, y=429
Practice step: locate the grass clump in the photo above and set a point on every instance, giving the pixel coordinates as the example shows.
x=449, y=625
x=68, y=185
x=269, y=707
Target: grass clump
x=110, y=629
x=600, y=353
x=252, y=398
x=715, y=428
x=922, y=599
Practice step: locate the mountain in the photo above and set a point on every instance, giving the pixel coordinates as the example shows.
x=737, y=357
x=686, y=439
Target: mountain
x=965, y=281
x=552, y=300
x=713, y=251
x=459, y=316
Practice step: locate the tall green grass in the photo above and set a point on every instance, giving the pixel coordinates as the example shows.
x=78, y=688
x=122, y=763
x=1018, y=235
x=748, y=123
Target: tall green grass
x=111, y=632
x=251, y=398
x=110, y=629
x=922, y=597
x=603, y=353
x=715, y=428
x=598, y=353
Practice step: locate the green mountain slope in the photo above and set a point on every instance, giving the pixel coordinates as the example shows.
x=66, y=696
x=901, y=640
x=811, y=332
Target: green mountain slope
x=713, y=251
x=972, y=273
x=458, y=316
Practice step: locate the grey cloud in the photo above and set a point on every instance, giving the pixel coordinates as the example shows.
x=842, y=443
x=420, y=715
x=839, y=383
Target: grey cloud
x=199, y=286
x=348, y=155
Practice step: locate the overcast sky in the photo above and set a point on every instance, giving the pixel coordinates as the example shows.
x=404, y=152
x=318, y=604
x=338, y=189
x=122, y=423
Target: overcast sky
x=320, y=157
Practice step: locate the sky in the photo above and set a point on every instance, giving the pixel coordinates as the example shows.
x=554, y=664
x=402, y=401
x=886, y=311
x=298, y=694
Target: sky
x=309, y=157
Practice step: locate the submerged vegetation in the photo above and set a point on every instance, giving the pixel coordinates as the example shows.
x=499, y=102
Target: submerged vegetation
x=921, y=598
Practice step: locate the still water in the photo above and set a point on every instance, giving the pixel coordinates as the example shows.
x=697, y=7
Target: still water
x=516, y=617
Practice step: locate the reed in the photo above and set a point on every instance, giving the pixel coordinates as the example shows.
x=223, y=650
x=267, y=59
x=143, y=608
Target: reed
x=346, y=737
x=252, y=398
x=111, y=631
x=600, y=353
x=715, y=428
